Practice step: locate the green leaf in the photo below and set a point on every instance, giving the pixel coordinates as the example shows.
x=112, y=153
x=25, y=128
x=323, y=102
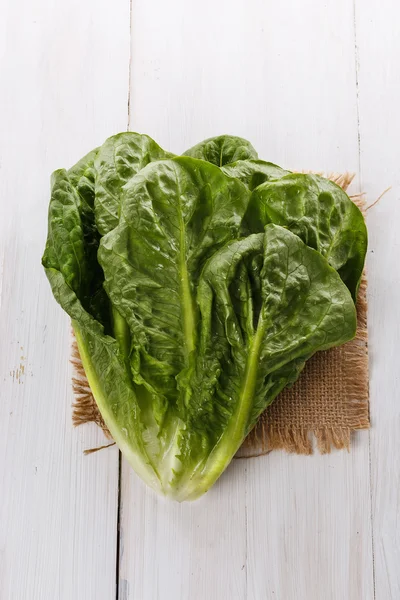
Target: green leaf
x=73, y=239
x=321, y=214
x=267, y=304
x=254, y=172
x=81, y=177
x=222, y=150
x=117, y=161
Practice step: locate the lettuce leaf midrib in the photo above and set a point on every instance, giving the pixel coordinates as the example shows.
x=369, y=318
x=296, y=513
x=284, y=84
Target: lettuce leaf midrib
x=186, y=293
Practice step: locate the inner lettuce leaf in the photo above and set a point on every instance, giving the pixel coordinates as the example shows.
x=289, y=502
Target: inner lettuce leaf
x=174, y=215
x=193, y=301
x=222, y=150
x=254, y=172
x=117, y=161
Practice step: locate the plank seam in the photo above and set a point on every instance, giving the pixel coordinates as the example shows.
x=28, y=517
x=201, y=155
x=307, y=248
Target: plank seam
x=118, y=552
x=356, y=66
x=246, y=534
x=119, y=501
x=130, y=66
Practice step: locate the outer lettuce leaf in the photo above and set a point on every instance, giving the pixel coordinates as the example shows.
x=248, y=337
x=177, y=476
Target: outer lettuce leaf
x=321, y=214
x=175, y=214
x=254, y=172
x=222, y=150
x=267, y=303
x=73, y=239
x=71, y=267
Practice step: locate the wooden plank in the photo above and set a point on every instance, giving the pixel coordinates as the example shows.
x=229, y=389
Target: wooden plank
x=379, y=99
x=283, y=76
x=317, y=522
x=189, y=550
x=308, y=526
x=274, y=72
x=64, y=89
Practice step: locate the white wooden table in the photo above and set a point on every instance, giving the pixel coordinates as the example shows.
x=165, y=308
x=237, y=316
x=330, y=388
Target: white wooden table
x=313, y=84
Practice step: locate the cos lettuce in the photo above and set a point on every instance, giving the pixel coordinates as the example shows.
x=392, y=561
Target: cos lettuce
x=198, y=287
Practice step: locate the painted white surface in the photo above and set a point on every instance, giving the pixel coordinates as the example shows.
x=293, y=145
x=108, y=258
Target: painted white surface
x=379, y=99
x=313, y=85
x=64, y=73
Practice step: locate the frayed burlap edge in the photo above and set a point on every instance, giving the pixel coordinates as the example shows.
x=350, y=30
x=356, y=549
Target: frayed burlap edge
x=84, y=409
x=293, y=437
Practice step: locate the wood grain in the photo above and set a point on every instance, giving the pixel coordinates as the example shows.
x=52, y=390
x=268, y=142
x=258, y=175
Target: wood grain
x=189, y=550
x=378, y=46
x=64, y=89
x=313, y=85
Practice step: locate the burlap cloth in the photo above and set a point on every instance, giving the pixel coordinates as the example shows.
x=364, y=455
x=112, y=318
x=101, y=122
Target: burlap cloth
x=327, y=403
